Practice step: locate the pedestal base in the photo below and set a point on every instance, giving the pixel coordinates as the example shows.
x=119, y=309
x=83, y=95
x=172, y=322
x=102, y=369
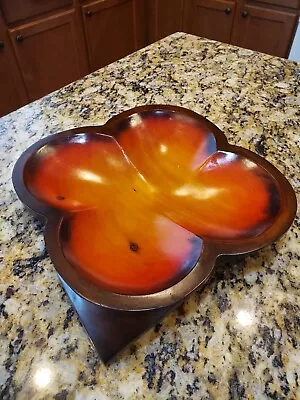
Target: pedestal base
x=111, y=330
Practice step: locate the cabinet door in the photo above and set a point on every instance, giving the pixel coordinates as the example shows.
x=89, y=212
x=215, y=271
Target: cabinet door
x=141, y=16
x=49, y=53
x=12, y=91
x=165, y=18
x=110, y=28
x=211, y=19
x=266, y=30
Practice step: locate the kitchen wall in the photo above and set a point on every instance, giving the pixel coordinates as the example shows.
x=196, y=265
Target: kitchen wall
x=295, y=50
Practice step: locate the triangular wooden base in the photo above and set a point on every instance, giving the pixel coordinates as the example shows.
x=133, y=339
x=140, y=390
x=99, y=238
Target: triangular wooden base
x=111, y=330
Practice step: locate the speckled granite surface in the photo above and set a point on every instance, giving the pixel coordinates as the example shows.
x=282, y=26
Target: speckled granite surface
x=236, y=339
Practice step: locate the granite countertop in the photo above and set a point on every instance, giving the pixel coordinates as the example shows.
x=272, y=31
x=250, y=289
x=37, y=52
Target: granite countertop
x=236, y=339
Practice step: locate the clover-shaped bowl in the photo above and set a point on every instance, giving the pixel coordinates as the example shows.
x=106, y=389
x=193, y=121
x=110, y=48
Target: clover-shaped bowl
x=138, y=210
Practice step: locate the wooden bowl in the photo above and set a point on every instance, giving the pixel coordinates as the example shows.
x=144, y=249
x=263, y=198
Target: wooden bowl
x=138, y=210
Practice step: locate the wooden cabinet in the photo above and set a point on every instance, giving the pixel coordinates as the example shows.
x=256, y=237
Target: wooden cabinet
x=12, y=93
x=141, y=19
x=164, y=18
x=49, y=53
x=264, y=29
x=262, y=25
x=110, y=29
x=211, y=19
x=12, y=90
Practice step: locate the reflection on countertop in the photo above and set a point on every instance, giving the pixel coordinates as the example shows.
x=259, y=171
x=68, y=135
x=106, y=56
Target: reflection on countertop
x=239, y=337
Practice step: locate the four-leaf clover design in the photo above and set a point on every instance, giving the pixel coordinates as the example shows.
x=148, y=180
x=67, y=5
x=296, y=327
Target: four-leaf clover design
x=143, y=200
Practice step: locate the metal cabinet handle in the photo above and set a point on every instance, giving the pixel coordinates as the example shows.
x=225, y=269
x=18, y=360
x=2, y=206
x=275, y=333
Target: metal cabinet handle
x=20, y=38
x=245, y=14
x=227, y=10
x=89, y=13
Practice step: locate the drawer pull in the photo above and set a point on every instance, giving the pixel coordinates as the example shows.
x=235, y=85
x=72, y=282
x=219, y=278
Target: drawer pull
x=20, y=38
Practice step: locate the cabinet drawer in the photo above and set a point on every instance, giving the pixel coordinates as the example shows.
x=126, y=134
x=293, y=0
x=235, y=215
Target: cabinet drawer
x=15, y=10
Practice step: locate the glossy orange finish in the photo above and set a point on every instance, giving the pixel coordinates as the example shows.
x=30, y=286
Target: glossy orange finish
x=138, y=206
x=205, y=190
x=131, y=250
x=120, y=241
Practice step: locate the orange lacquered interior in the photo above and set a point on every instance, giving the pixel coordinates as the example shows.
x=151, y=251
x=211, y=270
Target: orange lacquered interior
x=138, y=206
